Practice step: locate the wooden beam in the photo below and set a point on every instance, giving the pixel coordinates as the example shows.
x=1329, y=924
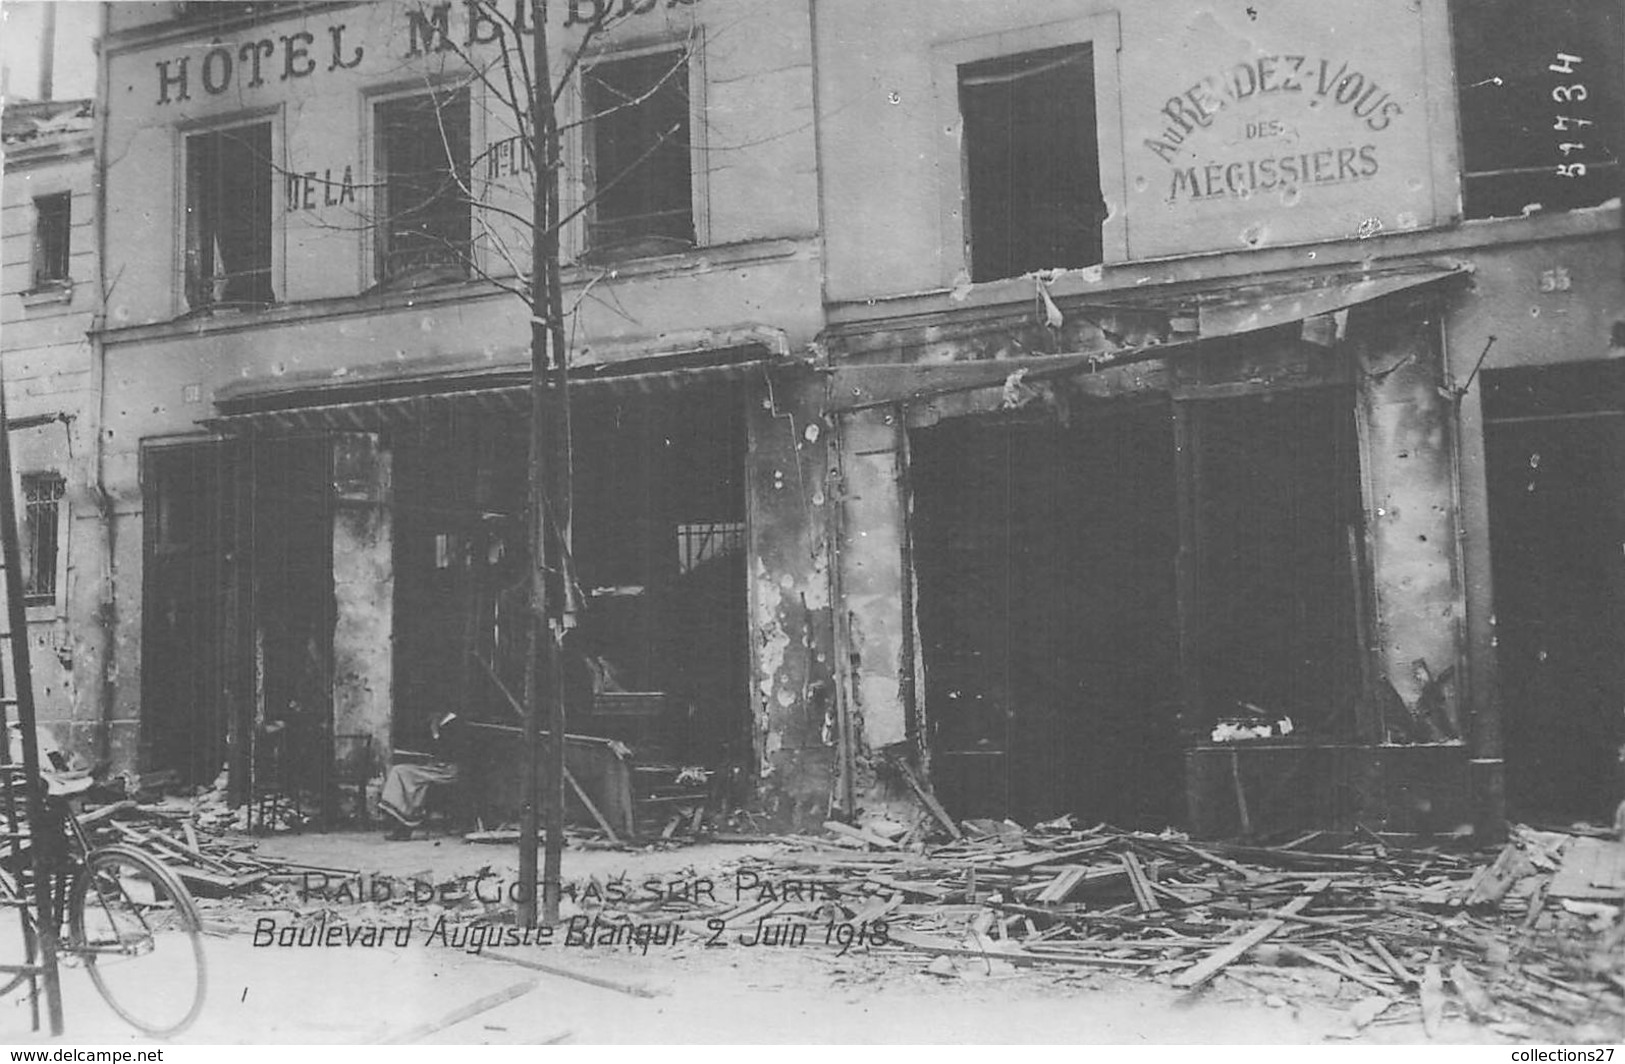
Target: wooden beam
x=465, y=1012
x=1236, y=949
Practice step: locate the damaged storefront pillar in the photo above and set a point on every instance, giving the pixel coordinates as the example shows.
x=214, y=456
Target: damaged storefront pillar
x=874, y=592
x=363, y=594
x=796, y=731
x=1406, y=425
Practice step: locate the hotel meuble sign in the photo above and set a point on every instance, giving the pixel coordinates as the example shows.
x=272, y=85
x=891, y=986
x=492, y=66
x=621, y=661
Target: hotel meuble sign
x=227, y=66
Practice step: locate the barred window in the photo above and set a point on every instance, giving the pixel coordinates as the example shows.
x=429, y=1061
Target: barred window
x=707, y=540
x=42, y=503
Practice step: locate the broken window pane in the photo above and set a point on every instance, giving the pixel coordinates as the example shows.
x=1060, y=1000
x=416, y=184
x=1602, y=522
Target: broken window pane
x=638, y=171
x=1032, y=164
x=53, y=219
x=1541, y=94
x=42, y=498
x=424, y=146
x=228, y=207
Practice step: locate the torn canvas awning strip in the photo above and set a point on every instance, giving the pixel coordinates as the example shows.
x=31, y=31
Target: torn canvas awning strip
x=352, y=409
x=1232, y=313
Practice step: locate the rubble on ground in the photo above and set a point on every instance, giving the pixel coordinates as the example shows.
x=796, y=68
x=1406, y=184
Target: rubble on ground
x=1396, y=934
x=1528, y=941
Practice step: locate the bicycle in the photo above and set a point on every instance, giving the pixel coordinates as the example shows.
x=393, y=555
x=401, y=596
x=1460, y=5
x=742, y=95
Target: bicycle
x=127, y=916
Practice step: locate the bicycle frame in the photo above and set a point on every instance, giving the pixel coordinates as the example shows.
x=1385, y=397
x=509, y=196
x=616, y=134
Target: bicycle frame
x=99, y=899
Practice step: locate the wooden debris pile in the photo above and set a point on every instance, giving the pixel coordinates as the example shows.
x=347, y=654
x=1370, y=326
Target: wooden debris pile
x=1394, y=934
x=187, y=840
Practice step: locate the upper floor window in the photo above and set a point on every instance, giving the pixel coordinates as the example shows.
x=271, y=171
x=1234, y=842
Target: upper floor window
x=1032, y=162
x=639, y=174
x=42, y=502
x=1541, y=85
x=53, y=224
x=424, y=213
x=228, y=216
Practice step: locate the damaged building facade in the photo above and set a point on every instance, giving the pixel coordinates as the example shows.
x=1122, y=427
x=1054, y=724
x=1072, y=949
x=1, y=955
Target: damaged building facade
x=51, y=299
x=317, y=424
x=1203, y=414
x=1228, y=402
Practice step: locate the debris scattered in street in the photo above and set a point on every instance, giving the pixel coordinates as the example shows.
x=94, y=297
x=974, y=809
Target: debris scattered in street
x=1528, y=939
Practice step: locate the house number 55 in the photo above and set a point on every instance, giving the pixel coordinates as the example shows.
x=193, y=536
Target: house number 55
x=1555, y=279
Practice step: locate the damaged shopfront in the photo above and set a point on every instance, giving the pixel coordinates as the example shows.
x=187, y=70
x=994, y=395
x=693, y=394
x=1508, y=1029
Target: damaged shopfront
x=350, y=564
x=1199, y=569
x=1226, y=425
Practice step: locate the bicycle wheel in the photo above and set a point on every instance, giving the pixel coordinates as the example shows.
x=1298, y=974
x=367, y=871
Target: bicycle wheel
x=17, y=942
x=135, y=925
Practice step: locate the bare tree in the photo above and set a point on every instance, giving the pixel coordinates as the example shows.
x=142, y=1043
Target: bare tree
x=450, y=208
x=524, y=89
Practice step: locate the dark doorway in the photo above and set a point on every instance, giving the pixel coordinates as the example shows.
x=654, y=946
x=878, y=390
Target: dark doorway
x=1275, y=487
x=187, y=518
x=660, y=532
x=1045, y=562
x=461, y=576
x=658, y=527
x=1555, y=457
x=289, y=543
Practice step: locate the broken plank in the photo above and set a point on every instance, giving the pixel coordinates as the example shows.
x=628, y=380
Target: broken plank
x=1062, y=886
x=158, y=840
x=946, y=948
x=592, y=808
x=1402, y=973
x=866, y=837
x=1043, y=857
x=97, y=815
x=1143, y=895
x=465, y=1012
x=213, y=884
x=927, y=799
x=1232, y=952
x=634, y=989
x=1221, y=862
x=1341, y=969
x=1340, y=925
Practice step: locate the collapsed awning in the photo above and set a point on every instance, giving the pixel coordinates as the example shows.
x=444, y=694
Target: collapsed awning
x=378, y=405
x=1232, y=312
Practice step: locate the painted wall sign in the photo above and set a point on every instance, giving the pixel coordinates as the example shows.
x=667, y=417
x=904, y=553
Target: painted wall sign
x=232, y=67
x=228, y=66
x=430, y=29
x=1333, y=87
x=1196, y=109
x=506, y=158
x=1264, y=125
x=308, y=190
